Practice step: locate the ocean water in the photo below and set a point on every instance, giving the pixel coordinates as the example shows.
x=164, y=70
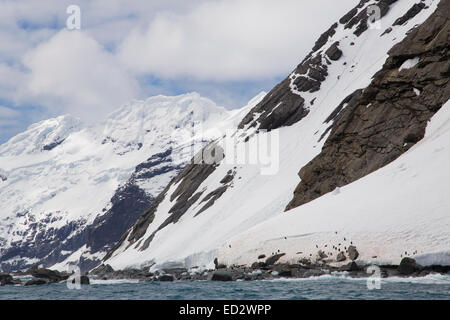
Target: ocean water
x=325, y=287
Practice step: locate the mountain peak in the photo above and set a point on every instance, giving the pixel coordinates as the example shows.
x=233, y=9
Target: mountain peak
x=42, y=136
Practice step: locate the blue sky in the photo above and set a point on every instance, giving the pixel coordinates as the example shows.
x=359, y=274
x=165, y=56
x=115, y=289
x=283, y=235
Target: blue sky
x=226, y=50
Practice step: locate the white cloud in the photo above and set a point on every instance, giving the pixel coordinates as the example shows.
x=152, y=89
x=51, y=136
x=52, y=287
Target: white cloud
x=227, y=50
x=72, y=73
x=229, y=39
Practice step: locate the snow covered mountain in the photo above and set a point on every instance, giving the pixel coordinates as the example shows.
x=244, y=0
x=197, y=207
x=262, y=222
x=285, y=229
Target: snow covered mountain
x=352, y=120
x=69, y=191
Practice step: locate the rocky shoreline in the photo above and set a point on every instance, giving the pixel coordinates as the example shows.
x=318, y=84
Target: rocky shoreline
x=267, y=270
x=39, y=276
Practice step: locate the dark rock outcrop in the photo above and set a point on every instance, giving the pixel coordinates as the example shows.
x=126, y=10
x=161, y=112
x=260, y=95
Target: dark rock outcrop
x=411, y=13
x=188, y=180
x=84, y=280
x=283, y=105
x=51, y=276
x=353, y=254
x=7, y=279
x=52, y=145
x=334, y=53
x=341, y=257
x=211, y=198
x=126, y=206
x=273, y=259
x=102, y=270
x=258, y=265
x=408, y=266
x=350, y=267
x=221, y=276
x=389, y=117
x=361, y=19
x=36, y=282
x=166, y=278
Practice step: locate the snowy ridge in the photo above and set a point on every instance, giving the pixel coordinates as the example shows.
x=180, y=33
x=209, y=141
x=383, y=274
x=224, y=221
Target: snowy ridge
x=252, y=198
x=41, y=136
x=59, y=176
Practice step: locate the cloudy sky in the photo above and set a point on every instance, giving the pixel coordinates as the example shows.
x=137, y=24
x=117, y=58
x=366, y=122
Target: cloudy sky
x=226, y=50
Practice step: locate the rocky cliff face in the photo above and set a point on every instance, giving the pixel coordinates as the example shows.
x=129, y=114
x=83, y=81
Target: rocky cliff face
x=384, y=120
x=284, y=104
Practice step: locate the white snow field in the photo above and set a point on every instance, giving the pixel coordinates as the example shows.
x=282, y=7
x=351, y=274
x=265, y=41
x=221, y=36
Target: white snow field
x=404, y=206
x=60, y=171
x=402, y=209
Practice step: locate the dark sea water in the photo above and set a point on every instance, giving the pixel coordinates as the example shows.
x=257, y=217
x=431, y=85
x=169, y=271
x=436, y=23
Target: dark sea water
x=326, y=287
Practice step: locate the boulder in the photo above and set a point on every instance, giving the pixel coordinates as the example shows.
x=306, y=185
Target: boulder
x=36, y=282
x=6, y=279
x=322, y=255
x=102, y=269
x=351, y=266
x=334, y=53
x=408, y=266
x=353, y=254
x=166, y=278
x=84, y=280
x=341, y=257
x=261, y=256
x=273, y=259
x=51, y=276
x=258, y=265
x=221, y=276
x=313, y=273
x=287, y=273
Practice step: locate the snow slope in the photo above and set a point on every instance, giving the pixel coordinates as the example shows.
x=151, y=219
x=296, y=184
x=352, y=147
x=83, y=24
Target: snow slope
x=402, y=209
x=60, y=174
x=252, y=197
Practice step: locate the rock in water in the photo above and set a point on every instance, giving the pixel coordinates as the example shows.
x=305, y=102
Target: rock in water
x=36, y=282
x=84, y=280
x=221, y=276
x=6, y=279
x=352, y=253
x=166, y=278
x=49, y=275
x=408, y=266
